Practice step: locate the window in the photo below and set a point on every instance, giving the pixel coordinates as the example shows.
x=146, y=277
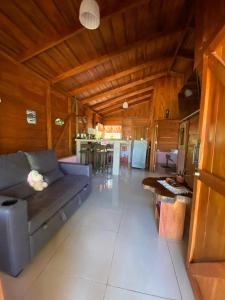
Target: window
x=112, y=132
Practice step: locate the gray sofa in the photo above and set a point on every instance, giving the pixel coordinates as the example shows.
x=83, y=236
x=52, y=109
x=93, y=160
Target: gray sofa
x=28, y=219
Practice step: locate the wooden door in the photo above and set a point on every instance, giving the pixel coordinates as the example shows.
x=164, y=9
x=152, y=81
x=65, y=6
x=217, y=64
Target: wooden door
x=206, y=253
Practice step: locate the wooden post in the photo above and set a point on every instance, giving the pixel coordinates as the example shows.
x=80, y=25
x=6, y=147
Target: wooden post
x=49, y=118
x=70, y=141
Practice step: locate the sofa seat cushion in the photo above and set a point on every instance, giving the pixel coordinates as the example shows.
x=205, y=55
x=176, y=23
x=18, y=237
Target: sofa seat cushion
x=43, y=205
x=19, y=191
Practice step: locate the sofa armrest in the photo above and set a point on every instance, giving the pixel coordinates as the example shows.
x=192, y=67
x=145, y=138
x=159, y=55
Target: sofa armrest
x=14, y=239
x=75, y=169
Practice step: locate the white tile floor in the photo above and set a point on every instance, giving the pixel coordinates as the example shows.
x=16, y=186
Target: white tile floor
x=108, y=250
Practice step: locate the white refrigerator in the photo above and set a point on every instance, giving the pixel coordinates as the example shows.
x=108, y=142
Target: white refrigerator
x=139, y=154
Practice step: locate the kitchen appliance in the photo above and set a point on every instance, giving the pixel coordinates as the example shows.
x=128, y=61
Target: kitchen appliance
x=139, y=154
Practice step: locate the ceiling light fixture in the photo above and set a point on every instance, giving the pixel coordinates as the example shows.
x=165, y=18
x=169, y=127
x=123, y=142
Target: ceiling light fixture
x=125, y=105
x=89, y=14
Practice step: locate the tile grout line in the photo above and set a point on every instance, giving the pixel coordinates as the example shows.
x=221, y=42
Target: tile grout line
x=174, y=269
x=141, y=293
x=46, y=265
x=117, y=236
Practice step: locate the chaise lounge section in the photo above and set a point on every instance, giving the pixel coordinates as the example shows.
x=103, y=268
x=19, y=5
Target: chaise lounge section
x=28, y=219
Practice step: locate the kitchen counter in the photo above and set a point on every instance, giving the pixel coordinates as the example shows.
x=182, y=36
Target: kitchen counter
x=116, y=146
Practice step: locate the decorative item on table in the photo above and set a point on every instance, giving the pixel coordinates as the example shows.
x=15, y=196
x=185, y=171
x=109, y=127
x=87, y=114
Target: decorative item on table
x=177, y=190
x=180, y=177
x=91, y=133
x=171, y=181
x=83, y=135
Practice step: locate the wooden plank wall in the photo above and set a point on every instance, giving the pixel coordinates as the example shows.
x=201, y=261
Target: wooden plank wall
x=60, y=109
x=168, y=131
x=21, y=89
x=134, y=121
x=166, y=97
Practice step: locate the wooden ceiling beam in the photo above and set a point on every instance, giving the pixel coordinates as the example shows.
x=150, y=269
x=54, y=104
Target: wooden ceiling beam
x=106, y=57
x=116, y=76
x=182, y=37
x=129, y=101
x=124, y=97
x=122, y=88
x=70, y=32
x=122, y=109
x=111, y=92
x=186, y=54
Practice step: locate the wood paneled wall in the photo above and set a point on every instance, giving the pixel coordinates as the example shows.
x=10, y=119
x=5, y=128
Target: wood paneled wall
x=60, y=108
x=134, y=121
x=21, y=89
x=138, y=121
x=166, y=97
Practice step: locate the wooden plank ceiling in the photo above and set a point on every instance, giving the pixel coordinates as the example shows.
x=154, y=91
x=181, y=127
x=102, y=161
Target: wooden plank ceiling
x=137, y=42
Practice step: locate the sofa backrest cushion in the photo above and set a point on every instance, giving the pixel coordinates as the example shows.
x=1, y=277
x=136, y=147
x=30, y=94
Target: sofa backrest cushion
x=42, y=161
x=53, y=176
x=14, y=169
x=45, y=162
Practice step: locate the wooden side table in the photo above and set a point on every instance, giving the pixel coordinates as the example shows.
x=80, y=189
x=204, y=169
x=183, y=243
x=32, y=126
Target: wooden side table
x=169, y=209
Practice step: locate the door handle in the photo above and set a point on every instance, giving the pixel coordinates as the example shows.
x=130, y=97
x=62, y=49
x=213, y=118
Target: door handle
x=197, y=174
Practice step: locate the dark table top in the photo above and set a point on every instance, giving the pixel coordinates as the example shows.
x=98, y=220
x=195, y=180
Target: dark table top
x=152, y=184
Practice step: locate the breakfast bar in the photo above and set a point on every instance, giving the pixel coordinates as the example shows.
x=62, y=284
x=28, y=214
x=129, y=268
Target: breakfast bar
x=116, y=150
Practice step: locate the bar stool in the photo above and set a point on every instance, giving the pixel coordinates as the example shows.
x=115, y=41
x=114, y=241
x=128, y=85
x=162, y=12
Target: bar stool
x=99, y=158
x=109, y=158
x=85, y=155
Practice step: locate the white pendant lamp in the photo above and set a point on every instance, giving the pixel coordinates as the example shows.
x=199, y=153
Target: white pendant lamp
x=89, y=14
x=125, y=105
